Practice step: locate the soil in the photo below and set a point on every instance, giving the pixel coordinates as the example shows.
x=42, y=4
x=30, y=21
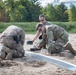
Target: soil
x=31, y=66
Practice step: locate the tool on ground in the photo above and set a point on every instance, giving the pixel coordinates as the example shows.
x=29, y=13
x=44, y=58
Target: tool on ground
x=30, y=42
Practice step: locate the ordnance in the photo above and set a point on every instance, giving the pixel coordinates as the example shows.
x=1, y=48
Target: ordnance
x=30, y=42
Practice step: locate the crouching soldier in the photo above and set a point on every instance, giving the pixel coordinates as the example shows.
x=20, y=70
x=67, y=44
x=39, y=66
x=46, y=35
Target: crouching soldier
x=56, y=39
x=11, y=43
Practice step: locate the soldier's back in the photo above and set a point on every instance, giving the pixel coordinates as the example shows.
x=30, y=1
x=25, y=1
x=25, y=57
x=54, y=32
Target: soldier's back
x=11, y=30
x=47, y=23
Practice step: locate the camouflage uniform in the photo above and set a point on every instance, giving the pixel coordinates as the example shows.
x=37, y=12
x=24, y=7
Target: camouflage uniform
x=57, y=37
x=38, y=41
x=47, y=23
x=12, y=40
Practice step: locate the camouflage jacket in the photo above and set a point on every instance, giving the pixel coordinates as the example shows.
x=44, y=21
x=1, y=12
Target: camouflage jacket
x=14, y=31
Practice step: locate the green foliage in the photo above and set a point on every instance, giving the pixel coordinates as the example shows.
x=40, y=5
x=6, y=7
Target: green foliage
x=22, y=10
x=29, y=27
x=61, y=13
x=3, y=15
x=50, y=13
x=72, y=13
x=68, y=26
x=55, y=13
x=29, y=10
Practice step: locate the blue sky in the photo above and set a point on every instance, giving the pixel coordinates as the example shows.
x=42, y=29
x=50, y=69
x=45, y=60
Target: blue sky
x=45, y=2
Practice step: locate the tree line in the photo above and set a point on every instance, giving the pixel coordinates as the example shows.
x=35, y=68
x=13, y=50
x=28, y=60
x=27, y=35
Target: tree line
x=29, y=10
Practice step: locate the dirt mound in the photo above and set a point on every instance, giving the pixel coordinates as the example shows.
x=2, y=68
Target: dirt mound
x=35, y=63
x=7, y=63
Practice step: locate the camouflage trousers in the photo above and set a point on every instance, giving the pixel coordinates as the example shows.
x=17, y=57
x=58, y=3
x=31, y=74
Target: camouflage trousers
x=57, y=45
x=10, y=48
x=53, y=46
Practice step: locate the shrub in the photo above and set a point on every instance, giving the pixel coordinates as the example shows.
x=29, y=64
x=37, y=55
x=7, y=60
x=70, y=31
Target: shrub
x=29, y=27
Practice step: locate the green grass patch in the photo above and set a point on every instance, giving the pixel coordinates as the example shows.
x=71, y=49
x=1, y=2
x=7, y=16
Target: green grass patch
x=29, y=27
x=68, y=26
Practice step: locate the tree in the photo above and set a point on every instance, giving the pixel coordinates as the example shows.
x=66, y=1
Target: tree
x=61, y=12
x=15, y=10
x=23, y=10
x=35, y=10
x=72, y=13
x=50, y=13
x=3, y=15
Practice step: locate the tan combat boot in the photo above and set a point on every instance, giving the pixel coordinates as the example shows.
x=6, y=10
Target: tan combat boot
x=70, y=48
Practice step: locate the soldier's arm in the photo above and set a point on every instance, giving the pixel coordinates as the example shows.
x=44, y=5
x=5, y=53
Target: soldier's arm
x=51, y=41
x=44, y=40
x=22, y=37
x=37, y=34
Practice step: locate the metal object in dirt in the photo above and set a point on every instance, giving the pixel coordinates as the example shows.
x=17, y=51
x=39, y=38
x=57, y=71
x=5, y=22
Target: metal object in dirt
x=30, y=42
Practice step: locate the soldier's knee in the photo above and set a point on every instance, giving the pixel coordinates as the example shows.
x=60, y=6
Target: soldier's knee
x=5, y=52
x=6, y=49
x=2, y=52
x=9, y=56
x=2, y=55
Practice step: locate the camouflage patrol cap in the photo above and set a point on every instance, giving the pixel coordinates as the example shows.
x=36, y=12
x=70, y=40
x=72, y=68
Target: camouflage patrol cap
x=38, y=25
x=41, y=16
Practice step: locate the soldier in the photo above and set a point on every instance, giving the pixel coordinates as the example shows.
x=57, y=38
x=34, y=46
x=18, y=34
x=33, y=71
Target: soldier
x=56, y=39
x=11, y=42
x=43, y=21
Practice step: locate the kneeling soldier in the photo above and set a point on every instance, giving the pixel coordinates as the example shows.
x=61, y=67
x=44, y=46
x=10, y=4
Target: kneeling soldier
x=56, y=39
x=11, y=42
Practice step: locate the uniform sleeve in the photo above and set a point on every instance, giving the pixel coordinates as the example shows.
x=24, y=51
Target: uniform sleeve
x=50, y=41
x=22, y=37
x=44, y=41
x=48, y=23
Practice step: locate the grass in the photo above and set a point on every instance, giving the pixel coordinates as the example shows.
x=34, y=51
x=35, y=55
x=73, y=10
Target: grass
x=29, y=27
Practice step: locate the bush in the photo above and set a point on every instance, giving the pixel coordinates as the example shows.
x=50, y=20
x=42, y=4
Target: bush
x=29, y=27
x=68, y=26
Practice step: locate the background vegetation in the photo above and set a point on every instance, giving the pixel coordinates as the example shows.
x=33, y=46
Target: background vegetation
x=29, y=27
x=24, y=13
x=29, y=10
